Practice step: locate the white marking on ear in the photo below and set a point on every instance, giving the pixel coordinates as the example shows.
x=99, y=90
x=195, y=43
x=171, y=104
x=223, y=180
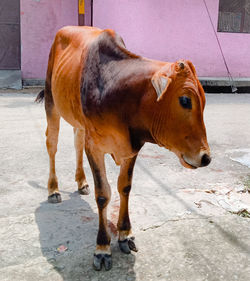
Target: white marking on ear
x=160, y=83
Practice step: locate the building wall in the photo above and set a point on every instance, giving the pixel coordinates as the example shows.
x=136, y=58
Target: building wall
x=40, y=19
x=170, y=30
x=159, y=29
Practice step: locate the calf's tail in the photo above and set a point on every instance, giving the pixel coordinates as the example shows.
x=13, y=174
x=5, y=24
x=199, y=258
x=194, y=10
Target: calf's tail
x=46, y=93
x=40, y=97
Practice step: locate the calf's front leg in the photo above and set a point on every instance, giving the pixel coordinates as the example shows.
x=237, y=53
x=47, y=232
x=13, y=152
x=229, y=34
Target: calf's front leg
x=126, y=241
x=102, y=195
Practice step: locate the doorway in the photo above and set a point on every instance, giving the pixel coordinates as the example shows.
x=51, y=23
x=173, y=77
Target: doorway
x=10, y=51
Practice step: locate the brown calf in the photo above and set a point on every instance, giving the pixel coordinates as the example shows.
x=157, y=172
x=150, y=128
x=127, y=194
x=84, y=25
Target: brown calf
x=116, y=101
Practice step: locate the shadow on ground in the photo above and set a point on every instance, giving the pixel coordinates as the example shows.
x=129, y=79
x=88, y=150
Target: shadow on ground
x=72, y=224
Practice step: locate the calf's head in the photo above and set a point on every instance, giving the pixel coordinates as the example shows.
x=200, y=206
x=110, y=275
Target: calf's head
x=177, y=121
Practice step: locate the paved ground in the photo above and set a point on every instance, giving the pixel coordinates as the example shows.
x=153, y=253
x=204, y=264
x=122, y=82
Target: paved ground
x=180, y=217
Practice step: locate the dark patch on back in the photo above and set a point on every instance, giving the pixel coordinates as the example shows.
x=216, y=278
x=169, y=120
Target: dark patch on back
x=100, y=70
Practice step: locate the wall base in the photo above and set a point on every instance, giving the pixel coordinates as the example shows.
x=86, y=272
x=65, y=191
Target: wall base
x=33, y=82
x=11, y=79
x=224, y=84
x=224, y=81
x=210, y=84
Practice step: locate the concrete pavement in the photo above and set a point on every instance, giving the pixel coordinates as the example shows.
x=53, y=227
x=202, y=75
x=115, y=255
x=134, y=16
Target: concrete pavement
x=183, y=220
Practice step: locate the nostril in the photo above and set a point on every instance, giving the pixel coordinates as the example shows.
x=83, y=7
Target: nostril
x=205, y=160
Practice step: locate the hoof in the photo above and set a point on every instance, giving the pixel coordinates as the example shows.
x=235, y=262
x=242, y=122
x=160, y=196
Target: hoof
x=128, y=245
x=84, y=190
x=101, y=259
x=55, y=198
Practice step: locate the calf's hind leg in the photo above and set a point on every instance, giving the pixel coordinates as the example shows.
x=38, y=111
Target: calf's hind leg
x=126, y=242
x=79, y=137
x=53, y=126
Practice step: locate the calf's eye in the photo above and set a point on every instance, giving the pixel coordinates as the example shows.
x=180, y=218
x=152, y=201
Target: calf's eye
x=185, y=102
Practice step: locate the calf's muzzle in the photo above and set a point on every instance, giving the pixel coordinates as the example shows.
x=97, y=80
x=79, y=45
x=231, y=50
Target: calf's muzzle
x=205, y=160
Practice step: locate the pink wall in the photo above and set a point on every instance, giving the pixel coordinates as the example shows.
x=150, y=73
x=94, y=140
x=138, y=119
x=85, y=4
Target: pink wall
x=40, y=19
x=160, y=29
x=170, y=30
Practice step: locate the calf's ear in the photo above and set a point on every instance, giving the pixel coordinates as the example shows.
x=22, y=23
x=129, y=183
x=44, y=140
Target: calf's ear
x=161, y=83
